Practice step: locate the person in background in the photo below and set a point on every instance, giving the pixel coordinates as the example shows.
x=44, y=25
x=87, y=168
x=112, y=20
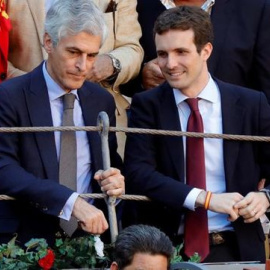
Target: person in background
x=203, y=191
x=241, y=54
x=142, y=247
x=119, y=59
x=5, y=27
x=31, y=167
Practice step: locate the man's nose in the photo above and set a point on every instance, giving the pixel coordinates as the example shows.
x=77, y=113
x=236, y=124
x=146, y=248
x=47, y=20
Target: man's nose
x=171, y=62
x=81, y=62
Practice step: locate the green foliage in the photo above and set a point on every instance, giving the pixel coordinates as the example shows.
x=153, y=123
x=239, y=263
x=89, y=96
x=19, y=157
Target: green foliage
x=78, y=252
x=13, y=256
x=69, y=253
x=195, y=258
x=178, y=258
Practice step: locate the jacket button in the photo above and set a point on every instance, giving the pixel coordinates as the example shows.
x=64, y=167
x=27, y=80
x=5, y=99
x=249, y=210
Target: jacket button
x=37, y=205
x=3, y=76
x=45, y=209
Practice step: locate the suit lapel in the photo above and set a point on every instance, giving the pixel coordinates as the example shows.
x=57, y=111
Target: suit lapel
x=232, y=119
x=38, y=12
x=40, y=114
x=90, y=110
x=169, y=119
x=221, y=15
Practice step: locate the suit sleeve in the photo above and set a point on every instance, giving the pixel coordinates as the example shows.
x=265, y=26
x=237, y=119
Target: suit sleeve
x=261, y=67
x=14, y=72
x=126, y=45
x=264, y=128
x=116, y=160
x=143, y=159
x=44, y=194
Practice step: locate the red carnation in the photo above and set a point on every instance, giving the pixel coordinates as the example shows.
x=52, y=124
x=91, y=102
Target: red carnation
x=46, y=262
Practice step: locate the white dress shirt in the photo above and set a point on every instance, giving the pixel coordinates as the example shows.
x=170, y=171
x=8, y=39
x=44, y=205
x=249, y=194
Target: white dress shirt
x=210, y=109
x=170, y=4
x=48, y=4
x=83, y=148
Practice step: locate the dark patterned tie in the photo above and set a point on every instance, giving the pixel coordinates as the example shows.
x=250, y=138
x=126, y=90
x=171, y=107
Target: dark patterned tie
x=196, y=222
x=68, y=158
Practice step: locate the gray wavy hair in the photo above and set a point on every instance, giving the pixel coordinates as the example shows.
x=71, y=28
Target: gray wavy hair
x=70, y=17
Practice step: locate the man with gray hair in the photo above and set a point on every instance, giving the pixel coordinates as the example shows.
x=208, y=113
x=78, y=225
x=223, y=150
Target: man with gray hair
x=31, y=167
x=142, y=247
x=119, y=59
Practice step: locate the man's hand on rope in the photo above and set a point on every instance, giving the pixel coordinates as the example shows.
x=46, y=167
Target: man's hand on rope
x=90, y=218
x=112, y=182
x=253, y=206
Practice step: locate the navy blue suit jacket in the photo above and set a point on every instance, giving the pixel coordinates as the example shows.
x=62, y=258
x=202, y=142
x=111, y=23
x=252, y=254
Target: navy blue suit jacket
x=28, y=161
x=241, y=53
x=154, y=165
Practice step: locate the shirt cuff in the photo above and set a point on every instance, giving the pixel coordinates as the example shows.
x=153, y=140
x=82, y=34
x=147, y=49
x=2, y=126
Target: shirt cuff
x=68, y=207
x=191, y=198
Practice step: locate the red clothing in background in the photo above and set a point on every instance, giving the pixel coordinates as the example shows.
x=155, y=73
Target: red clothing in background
x=5, y=27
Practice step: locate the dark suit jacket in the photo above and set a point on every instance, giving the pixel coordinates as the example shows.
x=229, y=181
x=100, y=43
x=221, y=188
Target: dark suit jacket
x=154, y=165
x=28, y=161
x=241, y=52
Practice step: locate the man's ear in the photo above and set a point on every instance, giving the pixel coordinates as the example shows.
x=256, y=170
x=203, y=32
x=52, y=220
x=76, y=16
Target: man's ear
x=114, y=266
x=207, y=50
x=47, y=43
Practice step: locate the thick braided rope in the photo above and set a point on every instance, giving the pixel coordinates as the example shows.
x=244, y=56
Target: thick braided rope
x=140, y=131
x=131, y=130
x=94, y=196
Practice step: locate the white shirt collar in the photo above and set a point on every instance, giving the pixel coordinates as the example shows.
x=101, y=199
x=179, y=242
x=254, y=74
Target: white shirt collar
x=54, y=90
x=170, y=4
x=209, y=93
x=48, y=4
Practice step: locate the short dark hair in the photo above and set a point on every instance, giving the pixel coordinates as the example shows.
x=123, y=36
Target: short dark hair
x=141, y=239
x=185, y=18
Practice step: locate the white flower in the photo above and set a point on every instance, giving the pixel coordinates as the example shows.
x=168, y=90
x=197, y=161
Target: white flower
x=99, y=246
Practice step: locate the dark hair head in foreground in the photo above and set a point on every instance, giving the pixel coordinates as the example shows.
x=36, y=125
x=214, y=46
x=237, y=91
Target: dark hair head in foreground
x=141, y=239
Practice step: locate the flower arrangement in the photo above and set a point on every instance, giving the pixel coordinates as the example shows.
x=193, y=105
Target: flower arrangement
x=80, y=252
